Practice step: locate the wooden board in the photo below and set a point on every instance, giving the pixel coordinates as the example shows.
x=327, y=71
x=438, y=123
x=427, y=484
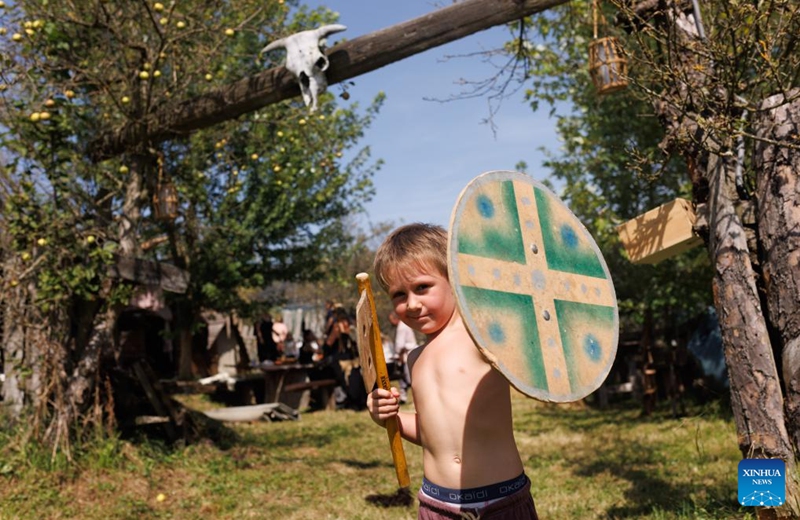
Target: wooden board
x=364, y=339
x=532, y=287
x=147, y=272
x=660, y=233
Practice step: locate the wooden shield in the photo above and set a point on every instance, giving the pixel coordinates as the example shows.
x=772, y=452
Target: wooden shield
x=532, y=287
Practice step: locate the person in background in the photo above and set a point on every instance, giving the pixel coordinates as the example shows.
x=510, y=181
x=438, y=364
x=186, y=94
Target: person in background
x=309, y=348
x=279, y=334
x=267, y=348
x=404, y=342
x=390, y=356
x=290, y=346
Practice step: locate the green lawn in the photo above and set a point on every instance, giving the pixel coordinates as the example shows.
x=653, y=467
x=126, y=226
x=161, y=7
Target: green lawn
x=584, y=464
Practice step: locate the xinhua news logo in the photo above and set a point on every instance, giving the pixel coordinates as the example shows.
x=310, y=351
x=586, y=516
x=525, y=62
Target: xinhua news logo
x=762, y=482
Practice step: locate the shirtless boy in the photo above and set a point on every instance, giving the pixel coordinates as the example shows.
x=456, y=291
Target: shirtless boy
x=472, y=468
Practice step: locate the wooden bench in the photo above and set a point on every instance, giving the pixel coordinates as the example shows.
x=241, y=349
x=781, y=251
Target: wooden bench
x=325, y=386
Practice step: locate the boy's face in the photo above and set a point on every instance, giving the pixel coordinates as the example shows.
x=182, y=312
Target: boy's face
x=422, y=298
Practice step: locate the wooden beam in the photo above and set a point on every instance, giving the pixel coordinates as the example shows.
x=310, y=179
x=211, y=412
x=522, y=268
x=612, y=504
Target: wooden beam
x=347, y=60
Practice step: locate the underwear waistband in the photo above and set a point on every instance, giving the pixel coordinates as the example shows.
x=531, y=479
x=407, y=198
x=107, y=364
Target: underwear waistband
x=478, y=494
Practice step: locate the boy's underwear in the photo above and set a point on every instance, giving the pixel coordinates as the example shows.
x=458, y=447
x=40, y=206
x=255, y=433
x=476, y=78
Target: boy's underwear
x=506, y=500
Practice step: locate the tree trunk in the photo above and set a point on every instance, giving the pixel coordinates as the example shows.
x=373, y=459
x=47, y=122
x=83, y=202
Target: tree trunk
x=778, y=195
x=22, y=356
x=16, y=395
x=756, y=396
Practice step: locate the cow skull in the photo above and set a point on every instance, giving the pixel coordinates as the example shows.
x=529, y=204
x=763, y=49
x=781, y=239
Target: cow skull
x=304, y=59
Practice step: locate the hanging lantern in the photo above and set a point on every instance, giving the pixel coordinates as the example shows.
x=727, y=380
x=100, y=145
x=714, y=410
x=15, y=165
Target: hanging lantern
x=165, y=199
x=607, y=64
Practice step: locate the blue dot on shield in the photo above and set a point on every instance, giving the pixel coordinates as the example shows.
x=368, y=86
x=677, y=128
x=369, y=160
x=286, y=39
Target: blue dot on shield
x=592, y=347
x=496, y=333
x=569, y=237
x=485, y=206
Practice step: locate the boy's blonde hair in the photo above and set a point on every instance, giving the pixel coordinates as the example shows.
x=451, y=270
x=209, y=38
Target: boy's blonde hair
x=413, y=244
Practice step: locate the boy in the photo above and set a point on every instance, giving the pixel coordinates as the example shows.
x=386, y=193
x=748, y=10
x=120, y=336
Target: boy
x=471, y=465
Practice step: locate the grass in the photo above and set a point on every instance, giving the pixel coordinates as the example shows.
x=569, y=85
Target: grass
x=583, y=463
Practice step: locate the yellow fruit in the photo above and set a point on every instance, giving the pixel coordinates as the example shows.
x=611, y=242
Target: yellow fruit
x=35, y=116
x=42, y=242
x=14, y=283
x=125, y=100
x=69, y=94
x=144, y=74
x=158, y=6
x=123, y=169
x=37, y=24
x=302, y=121
x=157, y=74
x=254, y=156
x=2, y=5
x=280, y=134
x=25, y=256
x=147, y=66
x=49, y=103
x=209, y=77
x=229, y=32
x=163, y=21
x=277, y=168
x=181, y=25
x=16, y=37
x=44, y=116
x=3, y=30
x=27, y=25
x=90, y=239
x=161, y=497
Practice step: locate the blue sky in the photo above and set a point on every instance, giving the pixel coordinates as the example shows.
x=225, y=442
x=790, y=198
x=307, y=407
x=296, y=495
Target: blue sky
x=432, y=150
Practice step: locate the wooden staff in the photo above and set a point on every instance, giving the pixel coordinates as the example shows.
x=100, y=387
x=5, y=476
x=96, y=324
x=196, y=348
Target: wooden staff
x=382, y=379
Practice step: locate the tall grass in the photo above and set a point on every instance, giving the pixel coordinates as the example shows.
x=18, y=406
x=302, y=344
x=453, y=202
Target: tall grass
x=584, y=464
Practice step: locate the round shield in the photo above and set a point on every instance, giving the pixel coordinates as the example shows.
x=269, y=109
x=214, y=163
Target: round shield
x=532, y=287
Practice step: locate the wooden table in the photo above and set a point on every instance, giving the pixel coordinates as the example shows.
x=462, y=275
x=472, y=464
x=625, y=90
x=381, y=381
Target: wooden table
x=276, y=377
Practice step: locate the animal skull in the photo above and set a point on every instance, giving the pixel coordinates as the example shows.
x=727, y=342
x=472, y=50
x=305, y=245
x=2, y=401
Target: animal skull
x=305, y=60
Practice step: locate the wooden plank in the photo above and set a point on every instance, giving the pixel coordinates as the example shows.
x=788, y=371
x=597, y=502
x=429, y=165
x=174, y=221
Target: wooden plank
x=155, y=399
x=147, y=272
x=660, y=233
x=347, y=60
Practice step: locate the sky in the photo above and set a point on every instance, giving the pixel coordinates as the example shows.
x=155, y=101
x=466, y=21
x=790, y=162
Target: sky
x=431, y=150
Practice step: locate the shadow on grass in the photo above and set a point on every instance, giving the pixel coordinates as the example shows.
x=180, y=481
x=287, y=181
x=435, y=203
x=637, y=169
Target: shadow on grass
x=649, y=491
x=589, y=419
x=361, y=464
x=401, y=498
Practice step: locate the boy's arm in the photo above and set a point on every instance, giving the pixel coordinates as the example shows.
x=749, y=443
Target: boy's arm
x=409, y=427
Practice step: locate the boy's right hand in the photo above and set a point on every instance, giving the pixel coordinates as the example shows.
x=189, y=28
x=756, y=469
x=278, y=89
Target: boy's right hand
x=383, y=404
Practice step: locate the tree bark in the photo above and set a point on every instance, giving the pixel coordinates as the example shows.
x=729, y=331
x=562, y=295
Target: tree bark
x=756, y=396
x=15, y=394
x=755, y=387
x=778, y=196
